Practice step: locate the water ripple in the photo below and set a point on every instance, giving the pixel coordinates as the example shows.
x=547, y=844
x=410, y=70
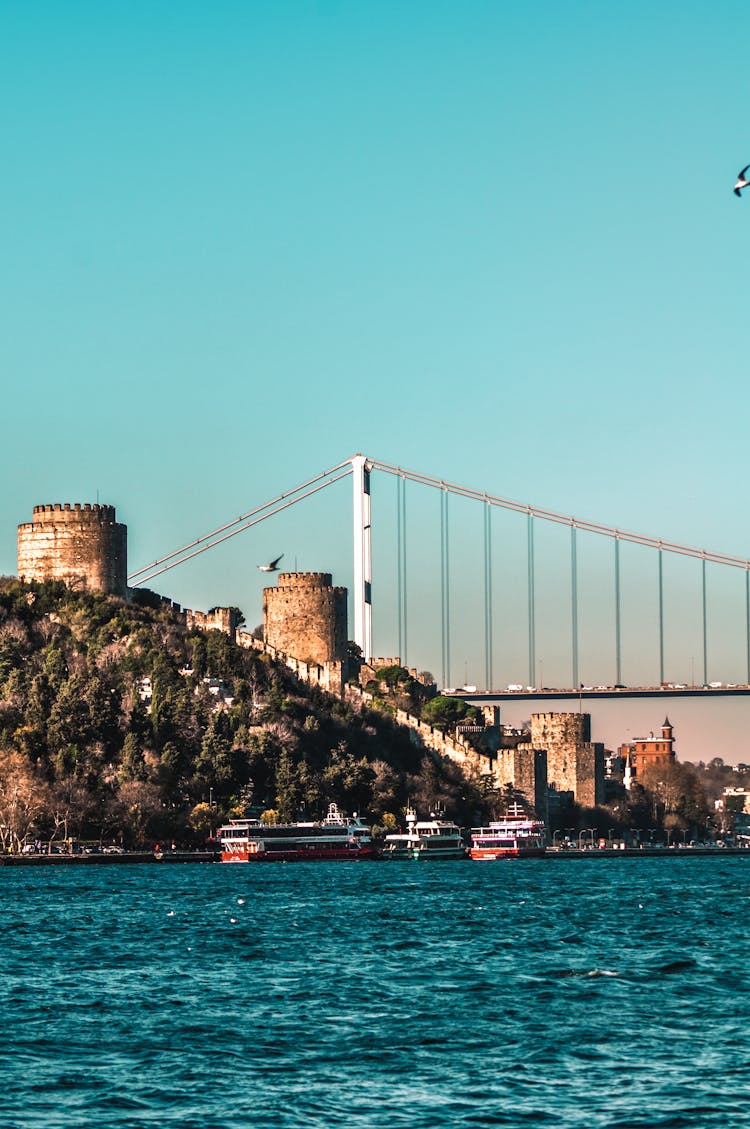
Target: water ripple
x=200, y=997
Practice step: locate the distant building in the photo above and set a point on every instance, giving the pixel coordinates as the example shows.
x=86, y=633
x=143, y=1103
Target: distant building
x=648, y=752
x=217, y=619
x=736, y=803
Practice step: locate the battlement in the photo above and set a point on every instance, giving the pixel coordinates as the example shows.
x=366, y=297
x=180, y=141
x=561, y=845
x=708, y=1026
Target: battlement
x=79, y=543
x=305, y=580
x=77, y=511
x=306, y=616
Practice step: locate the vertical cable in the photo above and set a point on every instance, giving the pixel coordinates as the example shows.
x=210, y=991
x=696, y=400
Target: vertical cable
x=399, y=576
x=574, y=599
x=445, y=585
x=747, y=620
x=661, y=616
x=705, y=624
x=447, y=594
x=404, y=573
x=531, y=593
x=442, y=588
x=618, y=634
x=487, y=596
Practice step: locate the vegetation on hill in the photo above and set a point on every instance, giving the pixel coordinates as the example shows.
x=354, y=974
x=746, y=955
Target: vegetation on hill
x=118, y=723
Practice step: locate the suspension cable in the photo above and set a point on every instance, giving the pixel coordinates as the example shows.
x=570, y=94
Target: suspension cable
x=248, y=525
x=229, y=524
x=562, y=519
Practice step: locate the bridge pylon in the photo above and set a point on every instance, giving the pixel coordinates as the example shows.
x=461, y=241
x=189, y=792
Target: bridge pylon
x=362, y=555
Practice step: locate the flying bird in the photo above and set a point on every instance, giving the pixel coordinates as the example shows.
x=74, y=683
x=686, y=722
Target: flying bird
x=742, y=181
x=272, y=567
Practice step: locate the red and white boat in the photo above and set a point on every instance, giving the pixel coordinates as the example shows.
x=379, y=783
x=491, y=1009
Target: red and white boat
x=515, y=837
x=337, y=838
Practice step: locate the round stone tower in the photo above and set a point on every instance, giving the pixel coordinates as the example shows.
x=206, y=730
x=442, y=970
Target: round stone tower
x=80, y=544
x=306, y=616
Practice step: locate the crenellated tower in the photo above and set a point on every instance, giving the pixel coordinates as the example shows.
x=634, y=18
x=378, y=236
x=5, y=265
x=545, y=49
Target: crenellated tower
x=305, y=615
x=80, y=544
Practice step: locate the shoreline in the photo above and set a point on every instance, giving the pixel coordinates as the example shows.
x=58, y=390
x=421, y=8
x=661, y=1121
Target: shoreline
x=128, y=858
x=172, y=857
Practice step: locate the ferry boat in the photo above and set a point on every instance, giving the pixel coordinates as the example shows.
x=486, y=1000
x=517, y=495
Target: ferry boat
x=337, y=838
x=433, y=838
x=515, y=837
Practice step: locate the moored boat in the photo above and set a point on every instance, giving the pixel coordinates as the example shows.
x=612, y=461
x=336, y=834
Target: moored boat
x=511, y=838
x=337, y=838
x=425, y=839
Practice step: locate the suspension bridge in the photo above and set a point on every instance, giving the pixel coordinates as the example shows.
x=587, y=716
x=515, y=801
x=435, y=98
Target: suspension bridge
x=400, y=597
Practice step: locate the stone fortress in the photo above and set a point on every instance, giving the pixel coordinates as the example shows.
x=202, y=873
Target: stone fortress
x=305, y=627
x=306, y=616
x=80, y=544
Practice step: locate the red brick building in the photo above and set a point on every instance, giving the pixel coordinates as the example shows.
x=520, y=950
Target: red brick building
x=647, y=752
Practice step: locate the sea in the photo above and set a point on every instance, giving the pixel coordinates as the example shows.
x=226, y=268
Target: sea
x=574, y=993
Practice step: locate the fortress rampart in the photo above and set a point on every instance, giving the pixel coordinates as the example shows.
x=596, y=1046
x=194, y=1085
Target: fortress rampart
x=306, y=616
x=575, y=763
x=80, y=544
x=217, y=619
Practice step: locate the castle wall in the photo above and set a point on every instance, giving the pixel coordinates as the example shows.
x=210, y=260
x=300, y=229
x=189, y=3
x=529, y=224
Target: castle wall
x=574, y=763
x=328, y=676
x=526, y=769
x=79, y=544
x=306, y=616
x=218, y=619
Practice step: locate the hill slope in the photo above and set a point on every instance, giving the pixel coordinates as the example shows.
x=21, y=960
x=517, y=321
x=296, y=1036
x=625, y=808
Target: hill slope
x=117, y=722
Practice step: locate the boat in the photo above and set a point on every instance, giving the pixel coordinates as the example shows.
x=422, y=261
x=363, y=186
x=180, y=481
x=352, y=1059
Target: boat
x=433, y=838
x=337, y=838
x=515, y=837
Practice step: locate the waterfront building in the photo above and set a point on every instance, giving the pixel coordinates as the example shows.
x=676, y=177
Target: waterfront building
x=648, y=752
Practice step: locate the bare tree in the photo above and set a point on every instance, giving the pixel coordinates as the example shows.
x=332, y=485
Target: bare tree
x=23, y=799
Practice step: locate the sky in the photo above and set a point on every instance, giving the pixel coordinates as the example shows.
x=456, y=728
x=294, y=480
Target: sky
x=492, y=242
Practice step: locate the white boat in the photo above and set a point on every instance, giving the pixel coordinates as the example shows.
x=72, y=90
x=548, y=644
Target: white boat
x=515, y=837
x=433, y=838
x=336, y=838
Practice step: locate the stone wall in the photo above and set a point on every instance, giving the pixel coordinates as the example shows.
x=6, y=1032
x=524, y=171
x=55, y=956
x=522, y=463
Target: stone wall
x=525, y=769
x=79, y=544
x=328, y=676
x=574, y=763
x=218, y=619
x=306, y=616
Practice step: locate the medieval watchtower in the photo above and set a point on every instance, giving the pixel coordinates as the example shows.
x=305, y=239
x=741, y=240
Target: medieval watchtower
x=80, y=544
x=575, y=763
x=306, y=616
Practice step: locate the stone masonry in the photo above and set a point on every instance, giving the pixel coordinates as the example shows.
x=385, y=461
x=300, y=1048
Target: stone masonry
x=525, y=769
x=575, y=763
x=306, y=616
x=217, y=619
x=80, y=544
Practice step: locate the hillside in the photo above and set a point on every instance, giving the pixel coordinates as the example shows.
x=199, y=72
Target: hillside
x=116, y=722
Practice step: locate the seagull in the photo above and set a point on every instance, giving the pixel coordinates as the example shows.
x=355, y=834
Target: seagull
x=742, y=182
x=272, y=567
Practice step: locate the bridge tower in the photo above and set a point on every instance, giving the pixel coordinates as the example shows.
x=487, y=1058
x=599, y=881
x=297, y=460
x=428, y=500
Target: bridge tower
x=362, y=556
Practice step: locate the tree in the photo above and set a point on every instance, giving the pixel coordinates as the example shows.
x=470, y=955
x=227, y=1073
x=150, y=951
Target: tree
x=348, y=781
x=136, y=810
x=287, y=794
x=132, y=764
x=446, y=713
x=675, y=790
x=202, y=819
x=67, y=807
x=23, y=799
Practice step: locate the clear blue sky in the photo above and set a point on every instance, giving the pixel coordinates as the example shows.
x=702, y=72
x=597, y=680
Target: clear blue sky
x=495, y=242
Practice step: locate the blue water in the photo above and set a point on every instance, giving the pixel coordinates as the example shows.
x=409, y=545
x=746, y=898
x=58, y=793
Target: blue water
x=548, y=992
